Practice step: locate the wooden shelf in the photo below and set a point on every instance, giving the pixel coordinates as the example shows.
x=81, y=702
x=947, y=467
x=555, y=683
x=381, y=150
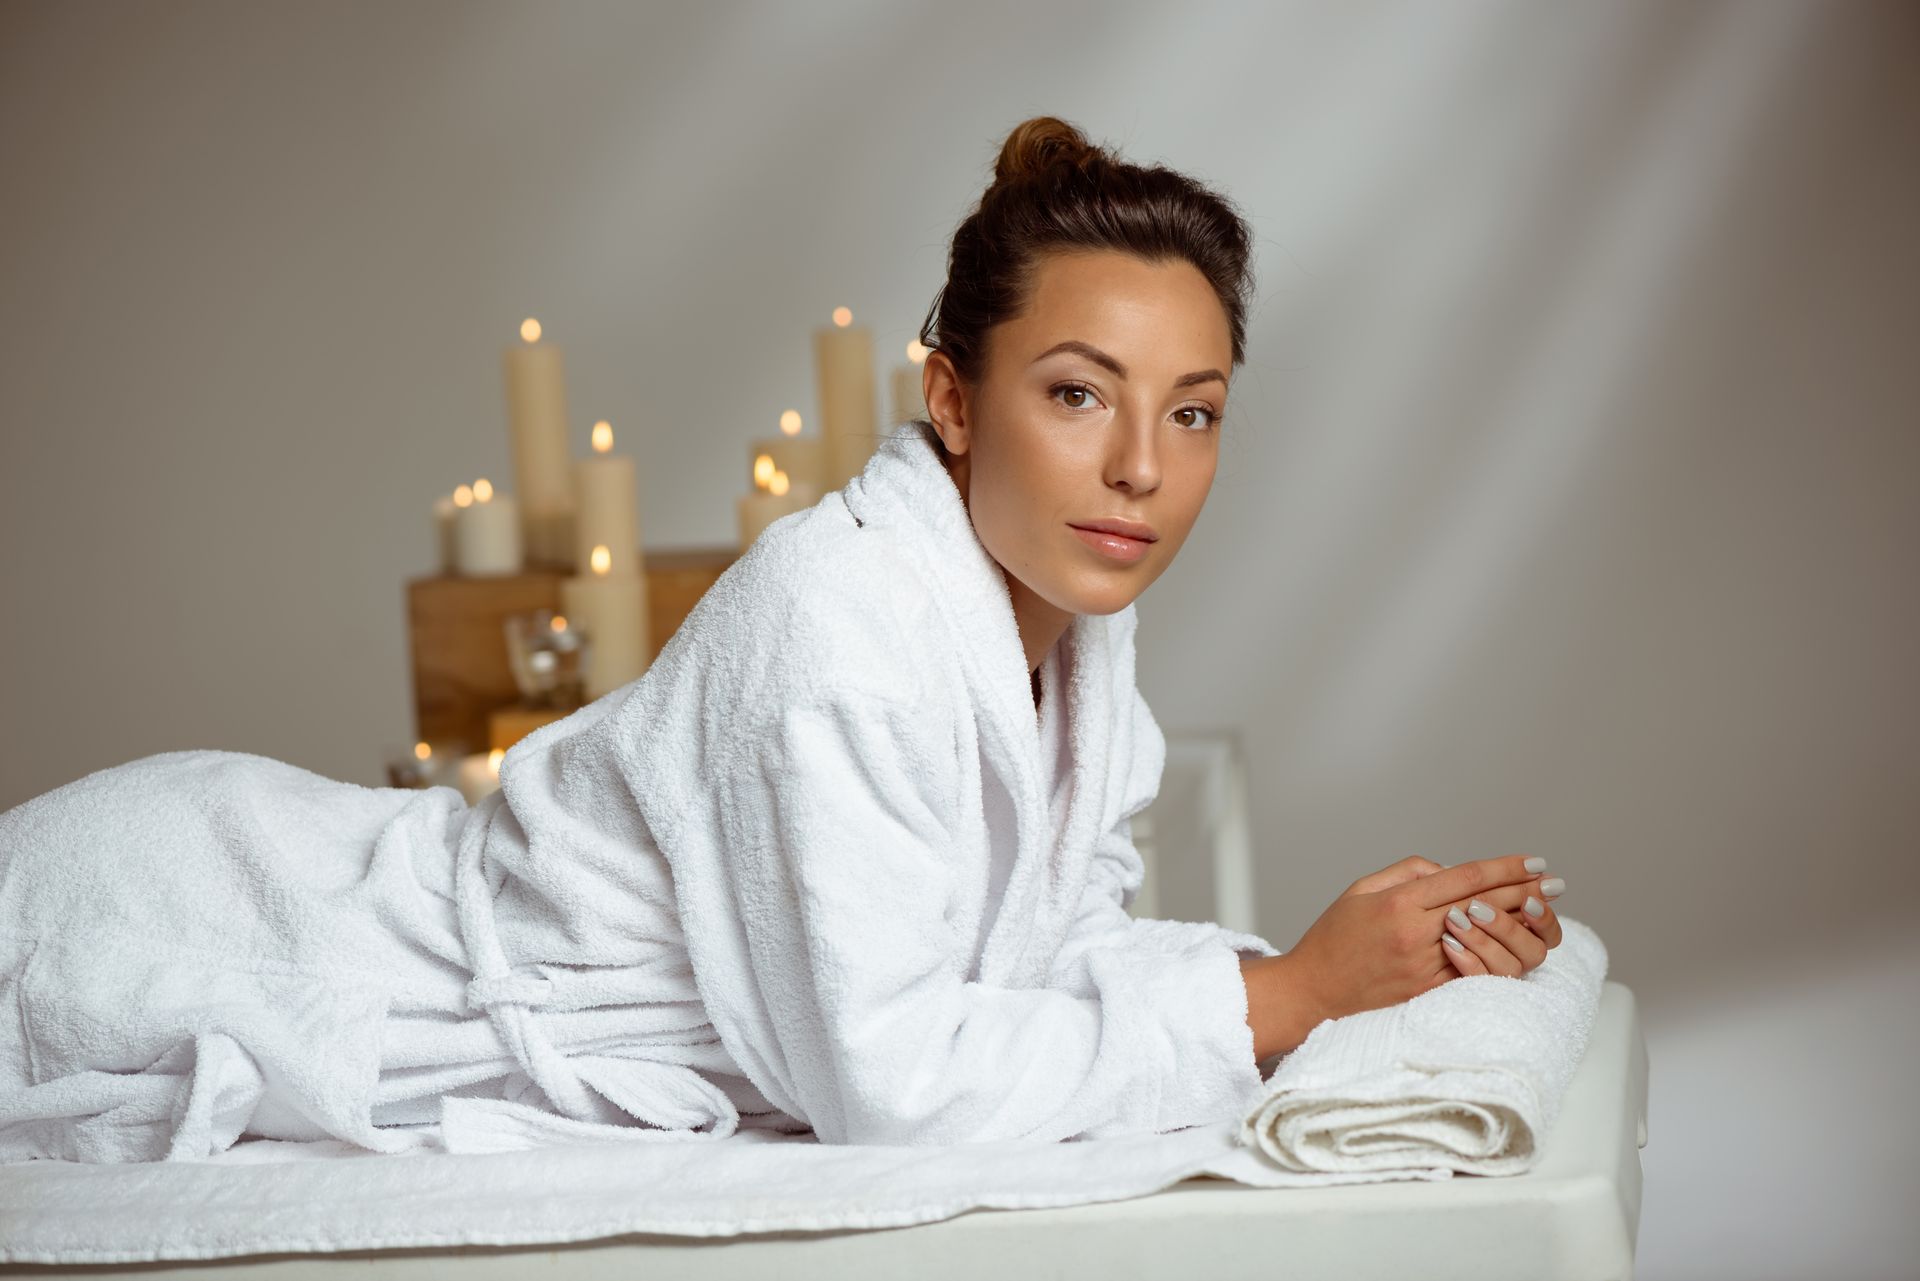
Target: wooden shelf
x=456, y=632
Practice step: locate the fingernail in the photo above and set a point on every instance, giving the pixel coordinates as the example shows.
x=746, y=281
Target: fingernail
x=1536, y=865
x=1534, y=907
x=1480, y=911
x=1553, y=887
x=1459, y=919
x=1453, y=942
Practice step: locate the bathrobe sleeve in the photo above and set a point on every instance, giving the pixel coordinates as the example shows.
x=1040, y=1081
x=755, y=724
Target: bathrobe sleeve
x=853, y=1010
x=1103, y=924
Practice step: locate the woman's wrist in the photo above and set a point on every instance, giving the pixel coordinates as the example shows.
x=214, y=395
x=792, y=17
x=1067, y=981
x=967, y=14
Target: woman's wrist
x=1281, y=1007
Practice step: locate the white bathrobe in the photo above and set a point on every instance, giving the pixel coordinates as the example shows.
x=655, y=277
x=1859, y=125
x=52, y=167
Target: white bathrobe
x=816, y=868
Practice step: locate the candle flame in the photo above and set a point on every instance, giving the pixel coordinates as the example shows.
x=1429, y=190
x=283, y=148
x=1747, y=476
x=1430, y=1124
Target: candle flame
x=602, y=436
x=463, y=496
x=483, y=490
x=778, y=485
x=559, y=623
x=494, y=758
x=917, y=351
x=602, y=559
x=790, y=422
x=530, y=329
x=421, y=751
x=762, y=470
x=842, y=316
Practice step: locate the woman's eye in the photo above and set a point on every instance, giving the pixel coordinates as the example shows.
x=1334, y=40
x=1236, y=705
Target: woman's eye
x=1209, y=418
x=1074, y=389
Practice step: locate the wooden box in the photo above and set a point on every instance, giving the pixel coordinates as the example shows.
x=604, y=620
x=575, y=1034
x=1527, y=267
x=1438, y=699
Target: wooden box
x=456, y=633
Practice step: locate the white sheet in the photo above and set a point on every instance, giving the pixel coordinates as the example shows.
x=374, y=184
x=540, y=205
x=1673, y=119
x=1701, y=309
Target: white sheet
x=1580, y=1204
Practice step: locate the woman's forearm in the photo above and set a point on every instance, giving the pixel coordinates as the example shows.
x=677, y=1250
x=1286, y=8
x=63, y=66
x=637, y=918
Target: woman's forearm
x=1281, y=1008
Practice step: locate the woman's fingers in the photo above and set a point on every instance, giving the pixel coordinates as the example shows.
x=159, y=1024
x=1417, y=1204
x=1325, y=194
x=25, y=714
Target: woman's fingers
x=1487, y=952
x=1497, y=912
x=1514, y=899
x=1467, y=880
x=1531, y=905
x=1538, y=915
x=1501, y=943
x=1463, y=960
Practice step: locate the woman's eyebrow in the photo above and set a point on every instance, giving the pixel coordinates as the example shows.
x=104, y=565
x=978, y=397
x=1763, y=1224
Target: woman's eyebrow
x=1119, y=370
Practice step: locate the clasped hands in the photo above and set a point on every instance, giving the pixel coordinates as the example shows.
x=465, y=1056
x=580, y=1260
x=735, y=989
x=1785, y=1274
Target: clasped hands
x=1383, y=940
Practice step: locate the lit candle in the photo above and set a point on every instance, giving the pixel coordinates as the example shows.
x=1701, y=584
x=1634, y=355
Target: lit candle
x=849, y=420
x=802, y=458
x=486, y=530
x=909, y=394
x=480, y=775
x=774, y=495
x=612, y=612
x=536, y=381
x=421, y=766
x=607, y=511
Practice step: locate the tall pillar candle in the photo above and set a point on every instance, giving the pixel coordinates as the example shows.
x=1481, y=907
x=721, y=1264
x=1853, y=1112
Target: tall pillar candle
x=612, y=611
x=849, y=420
x=536, y=383
x=606, y=506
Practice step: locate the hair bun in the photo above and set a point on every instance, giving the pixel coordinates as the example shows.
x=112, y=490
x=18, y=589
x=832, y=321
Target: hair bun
x=1039, y=144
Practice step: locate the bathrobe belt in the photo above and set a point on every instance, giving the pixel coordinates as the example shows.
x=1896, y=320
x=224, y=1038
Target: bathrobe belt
x=495, y=987
x=672, y=1099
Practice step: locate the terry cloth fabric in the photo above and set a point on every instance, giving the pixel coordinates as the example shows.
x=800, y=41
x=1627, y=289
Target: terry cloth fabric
x=1465, y=1077
x=754, y=888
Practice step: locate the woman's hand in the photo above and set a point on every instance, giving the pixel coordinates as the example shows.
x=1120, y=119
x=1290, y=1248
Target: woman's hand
x=1495, y=936
x=1493, y=946
x=1378, y=944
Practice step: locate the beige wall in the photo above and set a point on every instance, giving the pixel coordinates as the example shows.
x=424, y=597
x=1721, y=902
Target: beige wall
x=1572, y=487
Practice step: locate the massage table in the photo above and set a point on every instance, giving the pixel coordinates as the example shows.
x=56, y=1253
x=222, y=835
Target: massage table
x=1575, y=1214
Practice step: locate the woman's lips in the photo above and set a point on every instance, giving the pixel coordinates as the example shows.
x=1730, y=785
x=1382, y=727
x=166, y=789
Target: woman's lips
x=1113, y=546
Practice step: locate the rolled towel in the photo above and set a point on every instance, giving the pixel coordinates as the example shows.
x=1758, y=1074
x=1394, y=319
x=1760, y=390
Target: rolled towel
x=1466, y=1077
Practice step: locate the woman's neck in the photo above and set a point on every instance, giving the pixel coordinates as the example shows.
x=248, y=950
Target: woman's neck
x=1040, y=621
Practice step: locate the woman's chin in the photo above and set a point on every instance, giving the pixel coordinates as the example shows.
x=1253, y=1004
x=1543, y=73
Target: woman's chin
x=1103, y=593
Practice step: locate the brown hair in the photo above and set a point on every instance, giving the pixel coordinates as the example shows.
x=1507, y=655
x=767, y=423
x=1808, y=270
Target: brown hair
x=1053, y=190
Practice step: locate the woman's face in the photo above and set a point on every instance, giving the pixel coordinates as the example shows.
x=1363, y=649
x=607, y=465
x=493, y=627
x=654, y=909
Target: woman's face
x=1101, y=402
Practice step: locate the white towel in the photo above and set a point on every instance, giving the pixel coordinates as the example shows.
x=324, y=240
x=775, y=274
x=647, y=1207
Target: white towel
x=1466, y=1077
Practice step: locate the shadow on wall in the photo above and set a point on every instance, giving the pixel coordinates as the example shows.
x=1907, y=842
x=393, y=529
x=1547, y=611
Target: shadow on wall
x=1783, y=1126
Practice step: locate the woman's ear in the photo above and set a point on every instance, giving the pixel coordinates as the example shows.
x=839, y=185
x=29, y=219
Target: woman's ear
x=946, y=403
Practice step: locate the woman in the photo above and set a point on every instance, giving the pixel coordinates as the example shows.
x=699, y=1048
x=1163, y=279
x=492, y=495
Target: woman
x=853, y=856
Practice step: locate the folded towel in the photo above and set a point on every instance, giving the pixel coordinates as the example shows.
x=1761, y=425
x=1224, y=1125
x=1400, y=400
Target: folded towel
x=1466, y=1077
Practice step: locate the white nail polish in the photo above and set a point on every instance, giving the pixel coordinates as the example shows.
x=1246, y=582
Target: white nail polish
x=1553, y=887
x=1453, y=942
x=1480, y=911
x=1534, y=907
x=1459, y=918
x=1536, y=865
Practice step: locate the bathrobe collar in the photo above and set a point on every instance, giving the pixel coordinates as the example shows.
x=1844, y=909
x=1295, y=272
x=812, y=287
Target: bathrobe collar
x=905, y=489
